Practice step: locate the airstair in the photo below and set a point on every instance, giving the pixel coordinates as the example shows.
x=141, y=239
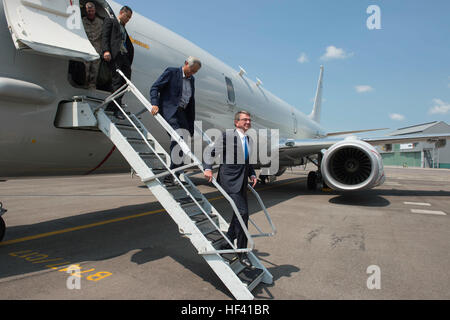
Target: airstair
x=428, y=158
x=196, y=217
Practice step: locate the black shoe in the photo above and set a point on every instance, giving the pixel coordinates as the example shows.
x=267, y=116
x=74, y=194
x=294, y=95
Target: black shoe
x=2, y=210
x=245, y=261
x=225, y=246
x=118, y=115
x=169, y=181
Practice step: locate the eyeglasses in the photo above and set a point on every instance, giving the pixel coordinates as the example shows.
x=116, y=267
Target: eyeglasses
x=246, y=119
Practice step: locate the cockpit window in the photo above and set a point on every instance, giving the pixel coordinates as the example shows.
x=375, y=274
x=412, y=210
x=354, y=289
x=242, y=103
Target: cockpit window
x=230, y=90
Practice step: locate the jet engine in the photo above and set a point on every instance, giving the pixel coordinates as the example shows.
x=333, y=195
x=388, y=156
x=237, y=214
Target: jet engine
x=352, y=165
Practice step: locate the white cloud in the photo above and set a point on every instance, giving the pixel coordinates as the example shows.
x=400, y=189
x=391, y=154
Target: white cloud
x=397, y=117
x=335, y=53
x=303, y=58
x=440, y=107
x=363, y=88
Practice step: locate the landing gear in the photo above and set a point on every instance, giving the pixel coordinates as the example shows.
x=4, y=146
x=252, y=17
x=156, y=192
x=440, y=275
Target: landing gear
x=2, y=229
x=315, y=180
x=2, y=222
x=263, y=179
x=311, y=183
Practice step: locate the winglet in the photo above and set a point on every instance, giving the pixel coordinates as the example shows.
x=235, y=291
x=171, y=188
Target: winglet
x=315, y=114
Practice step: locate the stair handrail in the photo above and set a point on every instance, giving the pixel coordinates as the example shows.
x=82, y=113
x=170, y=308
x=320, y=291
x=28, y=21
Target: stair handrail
x=129, y=86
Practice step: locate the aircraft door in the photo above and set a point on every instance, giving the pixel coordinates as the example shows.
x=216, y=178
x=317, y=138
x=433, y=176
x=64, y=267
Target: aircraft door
x=51, y=27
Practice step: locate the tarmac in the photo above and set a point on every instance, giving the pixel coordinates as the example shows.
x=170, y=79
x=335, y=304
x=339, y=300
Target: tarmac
x=392, y=242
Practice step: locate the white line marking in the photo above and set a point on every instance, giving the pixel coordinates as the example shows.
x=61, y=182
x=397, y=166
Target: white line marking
x=418, y=203
x=440, y=213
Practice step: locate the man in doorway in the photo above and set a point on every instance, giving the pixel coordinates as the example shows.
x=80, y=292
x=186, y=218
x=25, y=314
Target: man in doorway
x=118, y=50
x=233, y=176
x=93, y=26
x=173, y=95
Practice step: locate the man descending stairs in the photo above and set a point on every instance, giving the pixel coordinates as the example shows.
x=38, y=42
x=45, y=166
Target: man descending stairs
x=195, y=216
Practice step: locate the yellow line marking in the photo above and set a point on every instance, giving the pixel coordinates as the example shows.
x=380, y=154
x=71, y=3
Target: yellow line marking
x=101, y=223
x=96, y=224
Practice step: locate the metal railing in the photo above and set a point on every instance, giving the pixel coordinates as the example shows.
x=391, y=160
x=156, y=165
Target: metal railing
x=129, y=87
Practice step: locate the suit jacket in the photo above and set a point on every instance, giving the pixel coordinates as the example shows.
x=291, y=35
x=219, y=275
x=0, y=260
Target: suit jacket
x=112, y=39
x=234, y=171
x=166, y=94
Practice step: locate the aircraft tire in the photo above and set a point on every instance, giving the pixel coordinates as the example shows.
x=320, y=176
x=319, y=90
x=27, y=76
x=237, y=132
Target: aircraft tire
x=2, y=229
x=262, y=179
x=311, y=183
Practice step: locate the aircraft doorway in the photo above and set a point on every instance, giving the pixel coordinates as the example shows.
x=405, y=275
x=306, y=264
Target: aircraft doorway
x=92, y=74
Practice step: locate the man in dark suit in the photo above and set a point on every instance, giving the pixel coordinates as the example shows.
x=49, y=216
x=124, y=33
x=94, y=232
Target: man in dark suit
x=118, y=50
x=234, y=172
x=173, y=95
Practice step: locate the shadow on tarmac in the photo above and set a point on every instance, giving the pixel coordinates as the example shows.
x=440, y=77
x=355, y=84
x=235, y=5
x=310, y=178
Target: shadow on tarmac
x=155, y=235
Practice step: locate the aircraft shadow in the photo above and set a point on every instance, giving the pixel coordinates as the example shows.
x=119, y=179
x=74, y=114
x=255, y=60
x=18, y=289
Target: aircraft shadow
x=153, y=236
x=376, y=197
x=149, y=238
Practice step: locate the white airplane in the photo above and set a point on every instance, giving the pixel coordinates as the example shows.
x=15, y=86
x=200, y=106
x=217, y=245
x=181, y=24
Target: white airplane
x=41, y=41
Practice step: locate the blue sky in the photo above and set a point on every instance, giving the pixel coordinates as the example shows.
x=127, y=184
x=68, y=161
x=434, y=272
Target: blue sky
x=389, y=78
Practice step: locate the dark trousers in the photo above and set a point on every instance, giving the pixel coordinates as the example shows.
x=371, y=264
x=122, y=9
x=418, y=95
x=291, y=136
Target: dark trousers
x=122, y=63
x=235, y=230
x=178, y=121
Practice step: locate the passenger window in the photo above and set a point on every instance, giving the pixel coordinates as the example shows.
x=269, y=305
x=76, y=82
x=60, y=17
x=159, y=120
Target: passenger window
x=230, y=90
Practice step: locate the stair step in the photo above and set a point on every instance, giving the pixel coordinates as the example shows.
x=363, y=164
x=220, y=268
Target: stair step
x=192, y=209
x=199, y=217
x=251, y=277
x=116, y=121
x=139, y=145
x=214, y=237
x=200, y=211
x=230, y=258
x=178, y=192
x=152, y=160
x=205, y=225
x=128, y=131
x=127, y=126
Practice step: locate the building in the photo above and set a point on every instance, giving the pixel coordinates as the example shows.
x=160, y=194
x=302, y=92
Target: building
x=420, y=154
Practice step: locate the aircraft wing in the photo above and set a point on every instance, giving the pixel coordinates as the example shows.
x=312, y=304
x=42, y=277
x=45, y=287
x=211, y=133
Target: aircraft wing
x=349, y=164
x=306, y=147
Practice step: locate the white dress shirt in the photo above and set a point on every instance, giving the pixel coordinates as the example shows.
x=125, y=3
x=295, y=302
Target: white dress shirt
x=243, y=137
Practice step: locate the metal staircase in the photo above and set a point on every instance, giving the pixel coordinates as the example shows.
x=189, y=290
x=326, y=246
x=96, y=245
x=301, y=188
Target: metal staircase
x=195, y=216
x=429, y=158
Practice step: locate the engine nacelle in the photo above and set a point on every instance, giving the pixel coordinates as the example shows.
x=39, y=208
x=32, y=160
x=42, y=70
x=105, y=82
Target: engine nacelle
x=352, y=165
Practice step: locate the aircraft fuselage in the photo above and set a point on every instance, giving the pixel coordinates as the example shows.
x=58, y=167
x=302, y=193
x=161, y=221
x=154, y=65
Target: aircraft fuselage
x=33, y=85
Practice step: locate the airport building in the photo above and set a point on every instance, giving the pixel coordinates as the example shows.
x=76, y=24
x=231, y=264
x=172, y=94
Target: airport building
x=420, y=154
